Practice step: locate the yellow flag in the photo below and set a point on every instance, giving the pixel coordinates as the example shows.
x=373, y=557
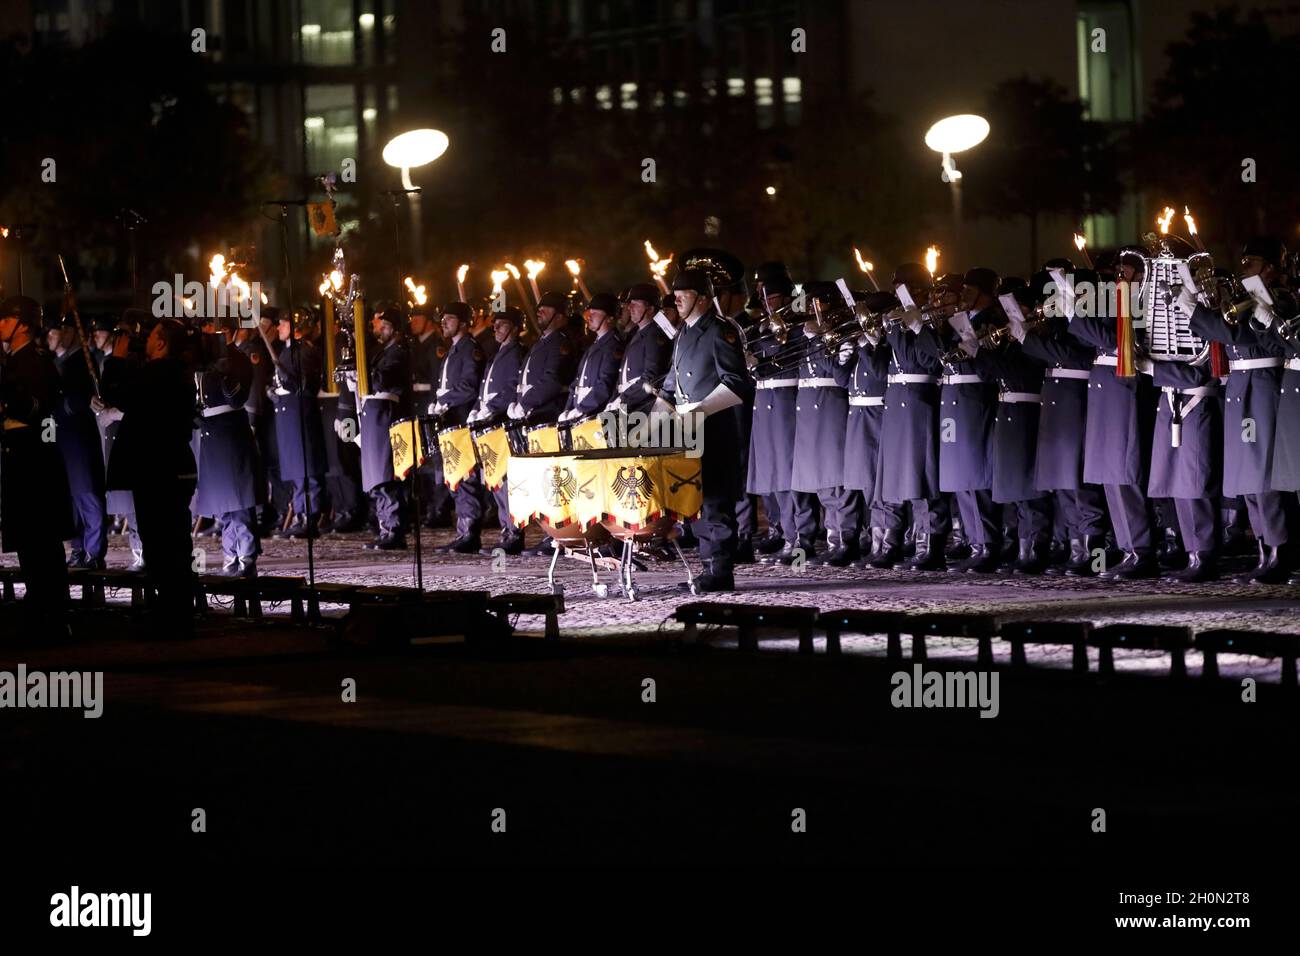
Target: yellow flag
x=588, y=435
x=589, y=500
x=494, y=455
x=543, y=439
x=457, y=455
x=321, y=216
x=400, y=436
x=680, y=485
x=632, y=494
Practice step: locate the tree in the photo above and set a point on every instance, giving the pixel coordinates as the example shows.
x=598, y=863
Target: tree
x=1042, y=158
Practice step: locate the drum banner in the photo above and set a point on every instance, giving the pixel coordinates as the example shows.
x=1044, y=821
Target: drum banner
x=493, y=449
x=590, y=498
x=457, y=455
x=400, y=434
x=543, y=440
x=588, y=435
x=681, y=485
x=548, y=489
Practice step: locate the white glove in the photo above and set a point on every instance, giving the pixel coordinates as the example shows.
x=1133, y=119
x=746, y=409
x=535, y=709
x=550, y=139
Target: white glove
x=1018, y=329
x=1263, y=316
x=912, y=319
x=845, y=353
x=338, y=429
x=437, y=408
x=1187, y=301
x=1144, y=365
x=662, y=407
x=515, y=410
x=351, y=379
x=616, y=406
x=472, y=417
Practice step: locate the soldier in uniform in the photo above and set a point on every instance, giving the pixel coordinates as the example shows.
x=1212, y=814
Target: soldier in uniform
x=80, y=445
x=299, y=441
x=457, y=394
x=645, y=355
x=261, y=418
x=707, y=377
x=909, y=429
x=1058, y=460
x=821, y=415
x=862, y=366
x=120, y=359
x=593, y=386
x=496, y=395
x=31, y=470
x=771, y=445
x=227, y=488
x=387, y=401
x=428, y=350
x=1250, y=418
x=153, y=460
x=1121, y=419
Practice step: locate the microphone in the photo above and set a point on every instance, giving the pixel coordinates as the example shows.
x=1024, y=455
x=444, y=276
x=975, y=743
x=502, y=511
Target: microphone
x=286, y=202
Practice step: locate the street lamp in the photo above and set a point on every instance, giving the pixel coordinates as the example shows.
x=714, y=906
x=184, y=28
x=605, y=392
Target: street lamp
x=418, y=147
x=956, y=134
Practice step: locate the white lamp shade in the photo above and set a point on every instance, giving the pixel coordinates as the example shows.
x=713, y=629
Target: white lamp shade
x=955, y=134
x=419, y=147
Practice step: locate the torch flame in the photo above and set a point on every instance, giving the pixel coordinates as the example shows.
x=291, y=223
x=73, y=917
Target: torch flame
x=265, y=300
x=513, y=270
x=4, y=232
x=217, y=267
x=1164, y=219
x=574, y=268
x=534, y=267
x=336, y=280
x=1191, y=222
x=1080, y=241
x=498, y=277
x=863, y=264
x=324, y=286
x=650, y=252
x=462, y=272
x=932, y=259
x=660, y=266
x=418, y=296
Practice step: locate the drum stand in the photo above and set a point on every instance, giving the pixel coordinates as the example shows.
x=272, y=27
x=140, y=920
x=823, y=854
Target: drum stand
x=627, y=569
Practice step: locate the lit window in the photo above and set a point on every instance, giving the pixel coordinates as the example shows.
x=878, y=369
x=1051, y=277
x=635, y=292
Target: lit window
x=603, y=98
x=763, y=91
x=735, y=87
x=367, y=21
x=311, y=29
x=557, y=96
x=314, y=122
x=627, y=93
x=369, y=113
x=679, y=97
x=792, y=89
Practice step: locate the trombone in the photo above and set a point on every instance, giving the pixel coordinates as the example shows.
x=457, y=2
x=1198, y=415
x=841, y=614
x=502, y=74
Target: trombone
x=996, y=336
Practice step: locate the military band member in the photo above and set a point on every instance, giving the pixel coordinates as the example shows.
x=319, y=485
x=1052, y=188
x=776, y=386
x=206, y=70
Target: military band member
x=707, y=377
x=31, y=470
x=548, y=369
x=1250, y=416
x=909, y=429
x=388, y=400
x=120, y=359
x=593, y=386
x=228, y=489
x=82, y=449
x=1121, y=420
x=296, y=382
x=1058, y=460
x=455, y=398
x=645, y=354
x=428, y=350
x=496, y=395
x=261, y=417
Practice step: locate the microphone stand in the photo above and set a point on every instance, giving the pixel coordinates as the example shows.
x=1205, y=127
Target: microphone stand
x=313, y=601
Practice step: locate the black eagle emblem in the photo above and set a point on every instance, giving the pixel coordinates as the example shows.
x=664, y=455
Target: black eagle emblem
x=400, y=447
x=633, y=485
x=561, y=485
x=450, y=453
x=487, y=455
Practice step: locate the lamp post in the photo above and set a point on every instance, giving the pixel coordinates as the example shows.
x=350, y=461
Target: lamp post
x=406, y=151
x=956, y=134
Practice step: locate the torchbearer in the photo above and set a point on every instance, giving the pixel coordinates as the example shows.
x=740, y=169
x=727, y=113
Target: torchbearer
x=707, y=377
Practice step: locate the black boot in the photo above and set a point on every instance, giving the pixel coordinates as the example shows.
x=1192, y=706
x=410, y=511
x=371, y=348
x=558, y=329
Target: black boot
x=744, y=551
x=1081, y=549
x=929, y=554
x=787, y=556
x=1135, y=566
x=984, y=559
x=770, y=543
x=1201, y=566
x=1072, y=556
x=1270, y=570
x=890, y=554
x=871, y=549
x=1033, y=557
x=840, y=556
x=717, y=577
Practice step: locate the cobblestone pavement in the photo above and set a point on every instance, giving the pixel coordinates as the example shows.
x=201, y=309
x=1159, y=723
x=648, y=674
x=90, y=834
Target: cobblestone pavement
x=342, y=558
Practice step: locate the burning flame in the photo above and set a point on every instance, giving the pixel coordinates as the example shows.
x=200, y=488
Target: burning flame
x=324, y=286
x=863, y=264
x=513, y=270
x=650, y=252
x=217, y=267
x=498, y=277
x=225, y=272
x=1164, y=219
x=575, y=269
x=932, y=259
x=1191, y=222
x=658, y=267
x=265, y=300
x=418, y=296
x=4, y=232
x=462, y=272
x=1080, y=241
x=534, y=267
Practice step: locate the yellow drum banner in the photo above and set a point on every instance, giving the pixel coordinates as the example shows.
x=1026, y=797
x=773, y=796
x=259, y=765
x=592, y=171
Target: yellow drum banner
x=494, y=455
x=588, y=435
x=543, y=440
x=681, y=489
x=590, y=501
x=457, y=449
x=553, y=489
x=632, y=490
x=400, y=435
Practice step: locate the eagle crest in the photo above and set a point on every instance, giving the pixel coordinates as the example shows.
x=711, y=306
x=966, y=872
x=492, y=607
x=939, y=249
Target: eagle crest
x=450, y=453
x=400, y=447
x=633, y=485
x=561, y=485
x=487, y=456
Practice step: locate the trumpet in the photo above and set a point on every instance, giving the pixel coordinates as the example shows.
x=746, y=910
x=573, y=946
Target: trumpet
x=931, y=315
x=995, y=337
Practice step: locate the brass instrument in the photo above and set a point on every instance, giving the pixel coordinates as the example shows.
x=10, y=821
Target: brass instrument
x=344, y=334
x=823, y=332
x=931, y=315
x=998, y=335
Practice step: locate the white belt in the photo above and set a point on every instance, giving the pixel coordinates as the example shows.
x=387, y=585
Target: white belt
x=818, y=383
x=868, y=400
x=1079, y=373
x=283, y=391
x=216, y=410
x=1017, y=397
x=1106, y=360
x=1292, y=364
x=962, y=380
x=777, y=383
x=422, y=387
x=1241, y=365
x=912, y=378
x=442, y=391
x=1203, y=391
x=623, y=386
x=386, y=396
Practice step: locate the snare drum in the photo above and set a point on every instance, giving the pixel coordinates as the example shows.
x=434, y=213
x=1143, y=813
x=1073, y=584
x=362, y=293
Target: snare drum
x=542, y=440
x=408, y=445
